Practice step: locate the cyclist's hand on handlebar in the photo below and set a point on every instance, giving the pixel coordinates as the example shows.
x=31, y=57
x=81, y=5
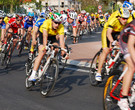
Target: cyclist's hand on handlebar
x=65, y=55
x=44, y=49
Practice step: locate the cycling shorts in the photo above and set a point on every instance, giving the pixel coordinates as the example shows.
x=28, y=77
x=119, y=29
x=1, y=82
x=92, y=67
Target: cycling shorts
x=97, y=19
x=105, y=40
x=92, y=18
x=50, y=38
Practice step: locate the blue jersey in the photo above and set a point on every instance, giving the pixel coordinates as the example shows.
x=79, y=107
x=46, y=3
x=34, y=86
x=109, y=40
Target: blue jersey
x=28, y=23
x=88, y=19
x=40, y=22
x=3, y=25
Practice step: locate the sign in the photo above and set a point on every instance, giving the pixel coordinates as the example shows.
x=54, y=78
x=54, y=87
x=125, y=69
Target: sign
x=99, y=11
x=99, y=7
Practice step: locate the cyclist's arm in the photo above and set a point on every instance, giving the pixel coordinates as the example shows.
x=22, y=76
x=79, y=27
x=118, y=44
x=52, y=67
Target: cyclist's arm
x=62, y=43
x=109, y=35
x=2, y=34
x=35, y=33
x=45, y=37
x=131, y=48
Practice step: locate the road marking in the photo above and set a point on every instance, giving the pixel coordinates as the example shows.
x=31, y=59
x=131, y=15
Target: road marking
x=76, y=69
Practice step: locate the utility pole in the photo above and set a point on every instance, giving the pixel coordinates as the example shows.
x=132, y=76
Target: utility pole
x=59, y=6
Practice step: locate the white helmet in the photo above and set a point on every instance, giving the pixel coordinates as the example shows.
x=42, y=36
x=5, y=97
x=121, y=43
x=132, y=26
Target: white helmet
x=124, y=13
x=83, y=12
x=72, y=15
x=2, y=15
x=87, y=13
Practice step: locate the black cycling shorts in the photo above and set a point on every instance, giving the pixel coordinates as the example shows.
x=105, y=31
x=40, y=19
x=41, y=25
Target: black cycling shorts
x=50, y=38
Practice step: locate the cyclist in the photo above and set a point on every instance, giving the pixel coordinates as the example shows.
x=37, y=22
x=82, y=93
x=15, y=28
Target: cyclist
x=48, y=31
x=36, y=30
x=2, y=28
x=110, y=32
x=93, y=21
x=82, y=20
x=127, y=42
x=88, y=20
x=7, y=18
x=14, y=25
x=97, y=19
x=69, y=20
x=28, y=24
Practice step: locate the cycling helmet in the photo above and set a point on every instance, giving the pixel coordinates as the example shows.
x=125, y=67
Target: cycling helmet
x=87, y=13
x=83, y=12
x=124, y=13
x=56, y=17
x=72, y=15
x=9, y=15
x=31, y=14
x=2, y=15
x=128, y=5
x=42, y=14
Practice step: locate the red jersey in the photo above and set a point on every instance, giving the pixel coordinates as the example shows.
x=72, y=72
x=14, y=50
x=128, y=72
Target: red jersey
x=12, y=24
x=82, y=18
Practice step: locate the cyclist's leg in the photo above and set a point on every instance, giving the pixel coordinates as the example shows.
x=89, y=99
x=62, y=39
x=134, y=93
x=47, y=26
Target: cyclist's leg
x=103, y=55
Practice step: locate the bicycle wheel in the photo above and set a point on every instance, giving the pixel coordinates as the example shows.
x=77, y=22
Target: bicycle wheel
x=110, y=103
x=62, y=62
x=49, y=78
x=29, y=66
x=93, y=69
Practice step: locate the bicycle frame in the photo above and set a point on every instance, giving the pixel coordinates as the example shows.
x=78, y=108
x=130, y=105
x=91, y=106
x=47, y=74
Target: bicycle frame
x=117, y=83
x=112, y=61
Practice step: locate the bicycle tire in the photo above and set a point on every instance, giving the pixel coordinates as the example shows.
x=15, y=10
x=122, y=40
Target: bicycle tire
x=110, y=103
x=49, y=78
x=62, y=62
x=93, y=69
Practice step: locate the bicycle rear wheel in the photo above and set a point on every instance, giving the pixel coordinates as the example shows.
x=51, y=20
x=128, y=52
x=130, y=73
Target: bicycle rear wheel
x=93, y=69
x=49, y=78
x=109, y=102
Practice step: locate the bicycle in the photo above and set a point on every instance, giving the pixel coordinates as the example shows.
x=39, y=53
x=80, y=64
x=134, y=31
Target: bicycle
x=7, y=50
x=113, y=87
x=110, y=63
x=49, y=69
x=22, y=42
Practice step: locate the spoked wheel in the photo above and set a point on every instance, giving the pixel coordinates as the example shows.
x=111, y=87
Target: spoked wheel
x=49, y=78
x=29, y=66
x=62, y=62
x=109, y=102
x=93, y=69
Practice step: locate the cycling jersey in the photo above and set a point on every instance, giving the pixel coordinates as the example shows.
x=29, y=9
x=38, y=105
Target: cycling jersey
x=12, y=24
x=47, y=25
x=40, y=22
x=2, y=25
x=124, y=35
x=97, y=15
x=28, y=23
x=88, y=19
x=6, y=19
x=113, y=24
x=67, y=24
x=82, y=19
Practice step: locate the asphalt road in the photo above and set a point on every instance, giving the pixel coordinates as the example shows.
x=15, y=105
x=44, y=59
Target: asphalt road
x=72, y=90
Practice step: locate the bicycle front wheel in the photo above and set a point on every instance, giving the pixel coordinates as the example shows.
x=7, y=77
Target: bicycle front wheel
x=93, y=69
x=49, y=78
x=109, y=102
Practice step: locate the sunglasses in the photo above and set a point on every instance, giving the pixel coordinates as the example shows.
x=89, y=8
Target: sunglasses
x=124, y=18
x=57, y=22
x=30, y=17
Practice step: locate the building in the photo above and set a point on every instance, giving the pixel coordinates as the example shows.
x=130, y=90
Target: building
x=62, y=4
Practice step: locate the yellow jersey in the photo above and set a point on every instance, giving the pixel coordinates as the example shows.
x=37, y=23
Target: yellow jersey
x=6, y=19
x=97, y=15
x=114, y=24
x=47, y=25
